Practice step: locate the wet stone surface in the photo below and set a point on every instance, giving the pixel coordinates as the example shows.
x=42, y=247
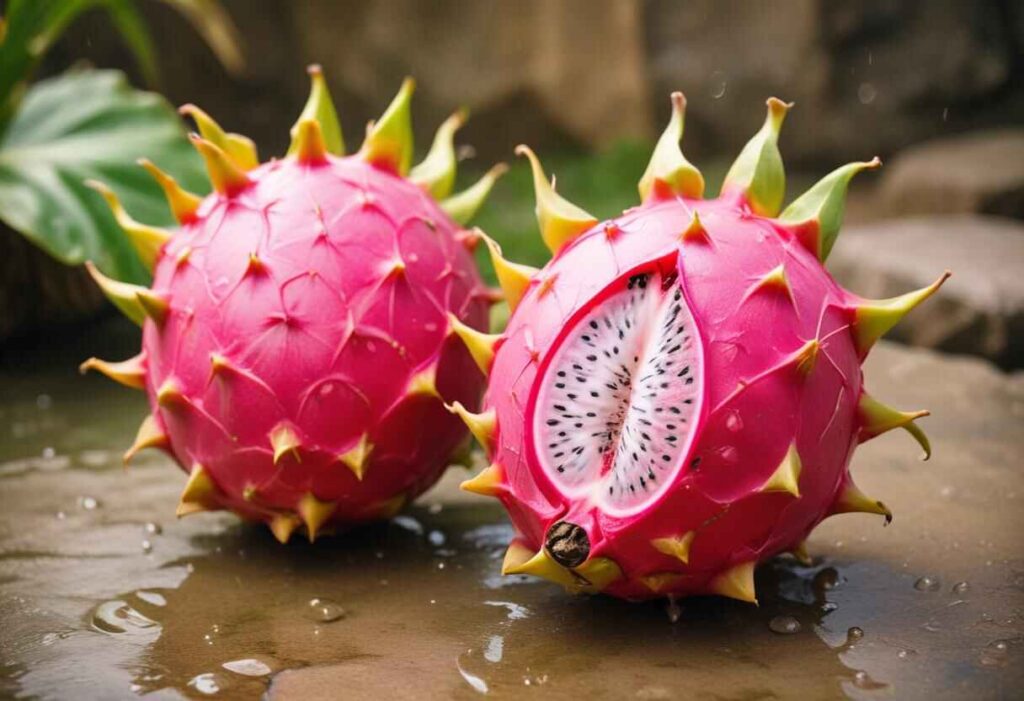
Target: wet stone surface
x=929, y=607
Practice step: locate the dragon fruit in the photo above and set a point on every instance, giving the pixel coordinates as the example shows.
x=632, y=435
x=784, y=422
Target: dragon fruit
x=678, y=392
x=297, y=348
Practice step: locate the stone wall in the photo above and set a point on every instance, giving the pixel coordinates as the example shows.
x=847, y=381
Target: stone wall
x=868, y=77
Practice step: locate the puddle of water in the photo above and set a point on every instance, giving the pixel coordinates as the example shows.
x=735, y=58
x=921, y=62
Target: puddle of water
x=930, y=607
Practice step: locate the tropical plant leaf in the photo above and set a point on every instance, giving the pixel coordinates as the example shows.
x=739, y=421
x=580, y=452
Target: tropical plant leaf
x=127, y=19
x=212, y=22
x=31, y=27
x=81, y=125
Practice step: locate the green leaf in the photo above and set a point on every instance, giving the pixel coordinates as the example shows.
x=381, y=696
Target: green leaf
x=31, y=27
x=128, y=21
x=212, y=22
x=90, y=124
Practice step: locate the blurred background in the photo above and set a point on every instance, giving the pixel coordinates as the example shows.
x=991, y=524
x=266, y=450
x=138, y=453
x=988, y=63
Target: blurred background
x=934, y=88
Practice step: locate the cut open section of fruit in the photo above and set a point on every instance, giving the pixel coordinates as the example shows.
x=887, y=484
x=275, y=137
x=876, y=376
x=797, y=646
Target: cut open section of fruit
x=615, y=414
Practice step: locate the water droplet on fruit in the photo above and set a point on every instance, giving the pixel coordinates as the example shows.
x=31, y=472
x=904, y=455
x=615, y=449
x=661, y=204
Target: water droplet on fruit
x=733, y=422
x=718, y=85
x=906, y=654
x=324, y=611
x=729, y=454
x=928, y=583
x=153, y=528
x=961, y=588
x=784, y=625
x=49, y=453
x=436, y=538
x=147, y=547
x=88, y=503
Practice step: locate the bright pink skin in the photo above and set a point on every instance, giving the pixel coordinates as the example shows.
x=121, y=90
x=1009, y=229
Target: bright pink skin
x=756, y=402
x=323, y=335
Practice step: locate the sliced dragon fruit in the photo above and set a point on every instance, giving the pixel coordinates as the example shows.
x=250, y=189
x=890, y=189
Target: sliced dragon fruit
x=678, y=392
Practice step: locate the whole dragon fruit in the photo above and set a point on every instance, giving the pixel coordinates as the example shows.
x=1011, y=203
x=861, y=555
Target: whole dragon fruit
x=678, y=393
x=297, y=348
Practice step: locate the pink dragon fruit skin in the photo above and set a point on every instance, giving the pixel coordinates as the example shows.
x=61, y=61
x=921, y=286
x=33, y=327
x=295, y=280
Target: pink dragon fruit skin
x=297, y=350
x=768, y=410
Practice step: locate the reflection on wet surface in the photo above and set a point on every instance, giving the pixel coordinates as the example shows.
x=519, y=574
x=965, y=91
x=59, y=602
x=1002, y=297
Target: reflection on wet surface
x=103, y=594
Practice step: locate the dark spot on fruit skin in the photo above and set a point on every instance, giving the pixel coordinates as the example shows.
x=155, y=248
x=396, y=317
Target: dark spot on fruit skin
x=568, y=544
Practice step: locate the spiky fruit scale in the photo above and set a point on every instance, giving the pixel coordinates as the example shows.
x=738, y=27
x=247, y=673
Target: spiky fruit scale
x=298, y=342
x=676, y=402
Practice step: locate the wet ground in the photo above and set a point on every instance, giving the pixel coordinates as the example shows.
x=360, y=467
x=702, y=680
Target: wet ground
x=103, y=594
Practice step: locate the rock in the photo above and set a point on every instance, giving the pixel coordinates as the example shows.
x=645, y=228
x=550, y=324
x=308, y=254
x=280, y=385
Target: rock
x=526, y=70
x=980, y=310
x=867, y=77
x=980, y=172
